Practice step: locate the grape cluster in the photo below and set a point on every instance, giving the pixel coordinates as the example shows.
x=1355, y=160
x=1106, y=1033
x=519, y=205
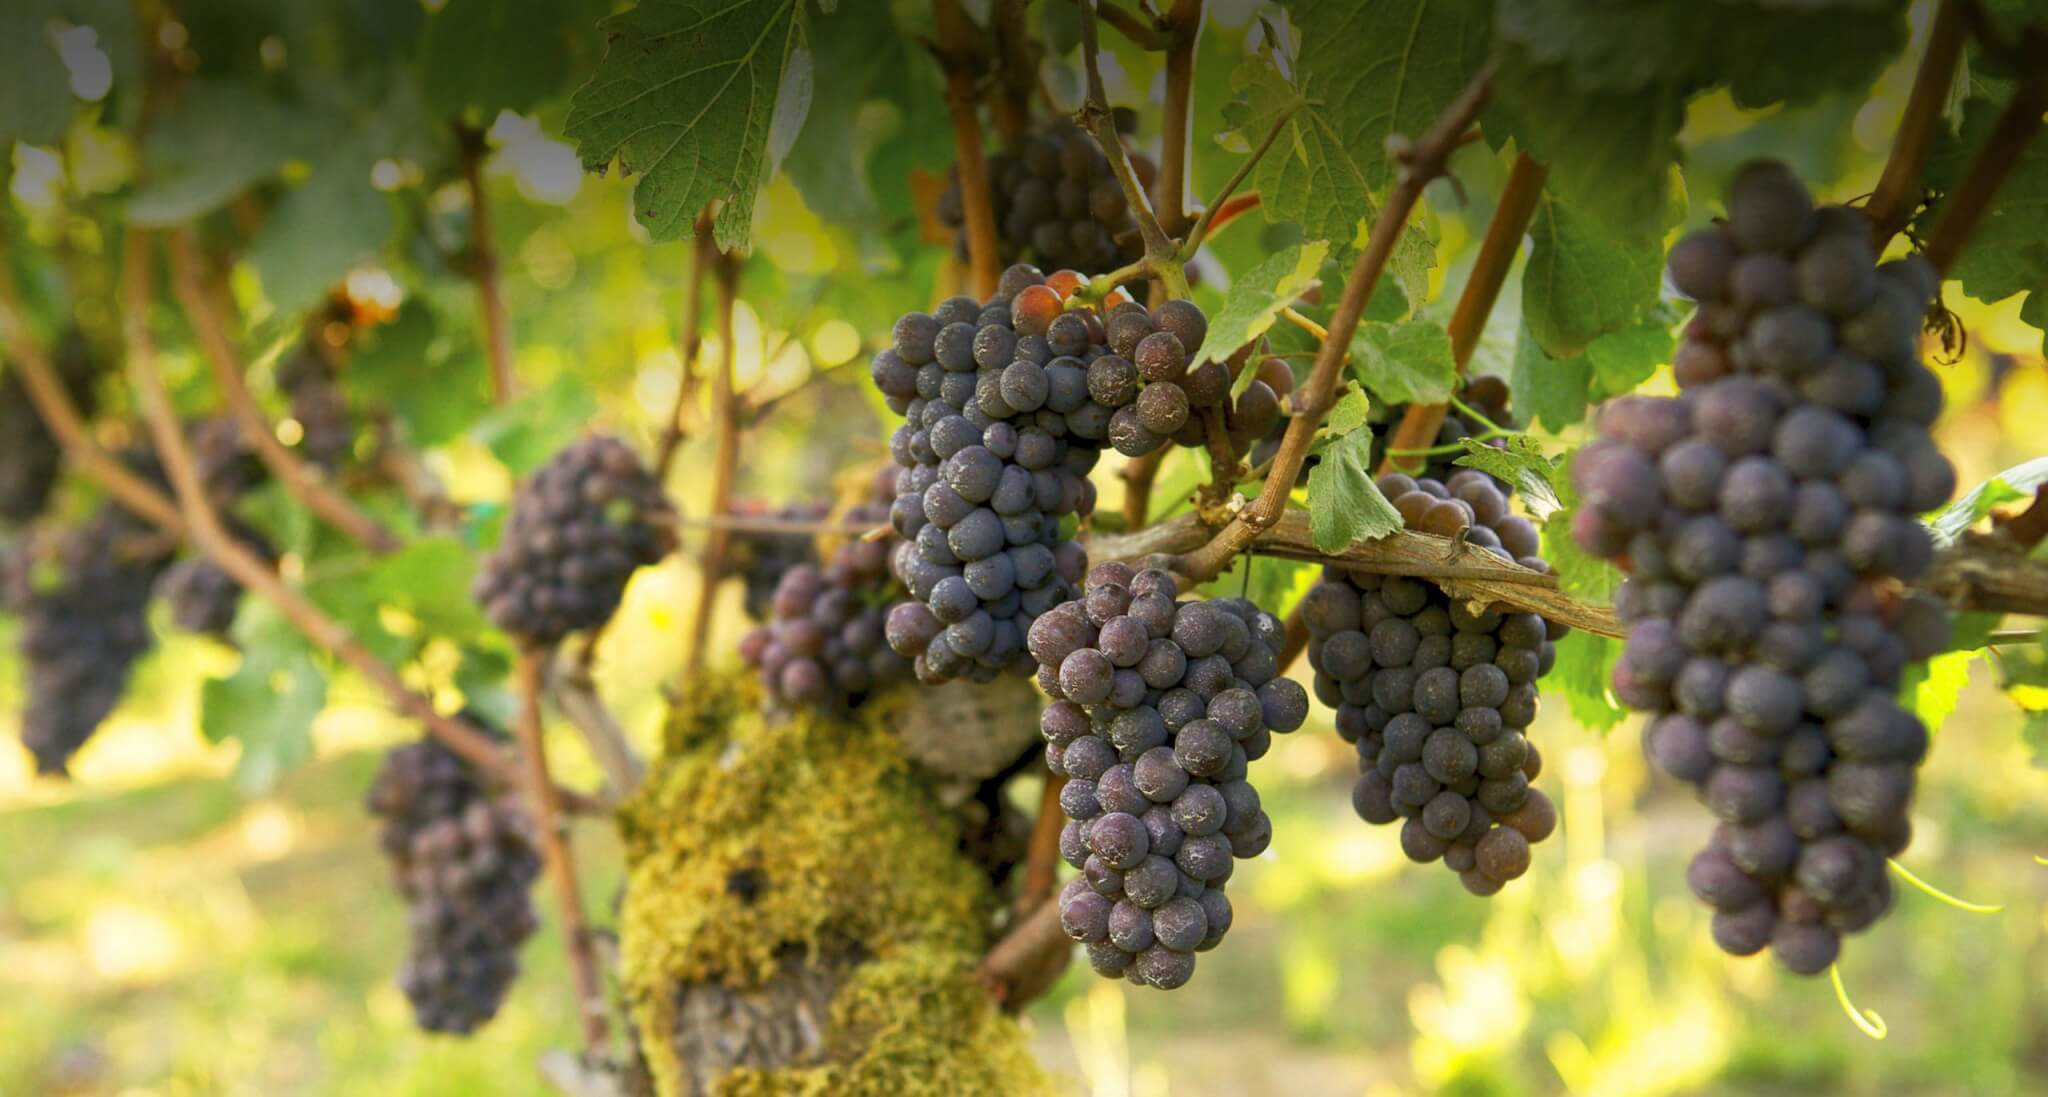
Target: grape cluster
x=203, y=597
x=83, y=632
x=319, y=405
x=1438, y=698
x=823, y=645
x=464, y=860
x=1007, y=406
x=1765, y=517
x=1160, y=706
x=1471, y=505
x=29, y=455
x=761, y=559
x=1056, y=201
x=580, y=526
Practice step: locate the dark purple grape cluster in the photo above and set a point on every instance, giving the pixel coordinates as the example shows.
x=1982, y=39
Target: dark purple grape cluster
x=1007, y=407
x=580, y=526
x=1159, y=708
x=83, y=632
x=312, y=389
x=1057, y=202
x=464, y=860
x=1765, y=518
x=30, y=456
x=761, y=559
x=1438, y=697
x=204, y=598
x=824, y=645
x=1472, y=505
x=1171, y=392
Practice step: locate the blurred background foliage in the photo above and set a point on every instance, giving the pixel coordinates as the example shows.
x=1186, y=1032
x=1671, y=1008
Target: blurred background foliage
x=166, y=931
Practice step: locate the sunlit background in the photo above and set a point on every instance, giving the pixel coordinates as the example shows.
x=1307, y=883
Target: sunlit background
x=171, y=923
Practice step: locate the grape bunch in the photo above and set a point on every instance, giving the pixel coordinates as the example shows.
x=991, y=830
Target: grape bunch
x=1057, y=201
x=29, y=455
x=1007, y=406
x=1472, y=505
x=580, y=526
x=761, y=559
x=203, y=597
x=83, y=632
x=319, y=405
x=464, y=860
x=823, y=645
x=1159, y=708
x=1438, y=698
x=1765, y=518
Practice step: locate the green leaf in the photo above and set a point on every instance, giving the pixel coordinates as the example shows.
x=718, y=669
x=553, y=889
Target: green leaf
x=429, y=580
x=526, y=432
x=268, y=704
x=1407, y=363
x=2014, y=484
x=689, y=94
x=35, y=107
x=1583, y=281
x=2009, y=252
x=1609, y=152
x=860, y=58
x=1344, y=505
x=218, y=138
x=1579, y=575
x=479, y=57
x=319, y=229
x=1519, y=462
x=1624, y=359
x=1314, y=176
x=1350, y=412
x=1551, y=392
x=1930, y=690
x=1585, y=664
x=436, y=383
x=1256, y=299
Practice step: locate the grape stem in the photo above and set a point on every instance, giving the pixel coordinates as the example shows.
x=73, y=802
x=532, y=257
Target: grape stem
x=1420, y=163
x=1141, y=31
x=1519, y=198
x=1898, y=190
x=1139, y=474
x=673, y=432
x=1288, y=313
x=725, y=462
x=1021, y=964
x=559, y=858
x=1041, y=858
x=483, y=266
x=1162, y=255
x=1207, y=222
x=1183, y=25
x=1966, y=206
x=203, y=302
x=959, y=58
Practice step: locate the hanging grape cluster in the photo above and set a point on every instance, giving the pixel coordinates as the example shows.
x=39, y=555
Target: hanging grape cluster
x=30, y=456
x=464, y=860
x=1057, y=203
x=1765, y=517
x=823, y=645
x=581, y=526
x=203, y=598
x=760, y=559
x=1160, y=706
x=1007, y=406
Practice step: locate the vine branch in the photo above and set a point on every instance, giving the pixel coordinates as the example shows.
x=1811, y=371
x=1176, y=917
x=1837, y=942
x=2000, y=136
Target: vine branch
x=672, y=433
x=956, y=53
x=1207, y=222
x=1162, y=255
x=1183, y=27
x=1140, y=30
x=1898, y=190
x=1511, y=215
x=1971, y=199
x=1139, y=474
x=1420, y=163
x=725, y=462
x=1017, y=67
x=483, y=267
x=203, y=306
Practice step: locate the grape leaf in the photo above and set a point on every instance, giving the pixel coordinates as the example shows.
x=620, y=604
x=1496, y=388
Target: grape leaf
x=859, y=55
x=2014, y=484
x=1585, y=662
x=1312, y=177
x=479, y=57
x=319, y=229
x=436, y=383
x=1404, y=363
x=2009, y=253
x=268, y=704
x=218, y=137
x=1624, y=359
x=1582, y=280
x=1255, y=301
x=1344, y=505
x=36, y=106
x=1578, y=574
x=1930, y=690
x=689, y=94
x=1519, y=462
x=1551, y=392
x=1609, y=152
x=429, y=580
x=1347, y=414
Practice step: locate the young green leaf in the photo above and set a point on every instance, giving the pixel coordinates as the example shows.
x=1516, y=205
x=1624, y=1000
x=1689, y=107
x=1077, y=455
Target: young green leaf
x=1344, y=505
x=689, y=95
x=1348, y=414
x=1256, y=299
x=1931, y=690
x=1519, y=461
x=1407, y=363
x=2014, y=484
x=1583, y=281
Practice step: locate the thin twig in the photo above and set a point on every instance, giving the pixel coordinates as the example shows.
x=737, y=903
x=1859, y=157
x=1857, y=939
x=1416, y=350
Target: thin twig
x=483, y=267
x=1511, y=215
x=1971, y=200
x=672, y=433
x=1183, y=26
x=959, y=57
x=1162, y=256
x=1042, y=857
x=559, y=858
x=1014, y=964
x=575, y=693
x=1133, y=26
x=725, y=462
x=1421, y=163
x=1207, y=221
x=1289, y=314
x=201, y=299
x=1139, y=474
x=1898, y=190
